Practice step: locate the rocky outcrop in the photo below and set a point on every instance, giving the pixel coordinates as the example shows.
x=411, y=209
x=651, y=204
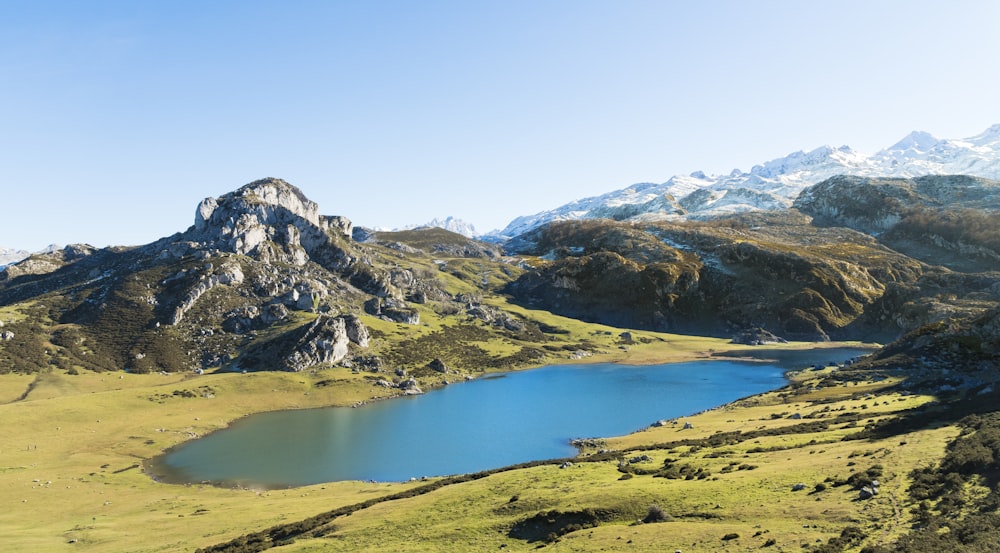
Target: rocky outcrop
x=230, y=274
x=493, y=316
x=392, y=310
x=757, y=337
x=875, y=205
x=410, y=387
x=269, y=220
x=47, y=262
x=357, y=332
x=438, y=365
x=961, y=347
x=325, y=342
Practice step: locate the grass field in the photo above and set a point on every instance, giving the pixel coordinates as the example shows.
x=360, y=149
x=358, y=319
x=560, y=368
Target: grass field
x=73, y=448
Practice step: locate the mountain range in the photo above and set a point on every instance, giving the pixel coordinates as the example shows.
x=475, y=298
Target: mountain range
x=777, y=183
x=771, y=185
x=9, y=255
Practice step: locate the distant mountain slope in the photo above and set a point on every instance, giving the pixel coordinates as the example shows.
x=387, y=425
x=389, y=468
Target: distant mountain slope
x=449, y=223
x=942, y=220
x=8, y=256
x=776, y=183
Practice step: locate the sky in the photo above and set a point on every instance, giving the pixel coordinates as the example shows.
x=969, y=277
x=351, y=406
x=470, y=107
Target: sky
x=118, y=118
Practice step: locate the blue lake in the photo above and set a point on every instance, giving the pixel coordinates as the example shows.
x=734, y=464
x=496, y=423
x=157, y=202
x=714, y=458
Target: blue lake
x=490, y=422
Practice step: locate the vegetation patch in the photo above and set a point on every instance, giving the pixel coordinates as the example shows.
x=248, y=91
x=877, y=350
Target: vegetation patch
x=549, y=526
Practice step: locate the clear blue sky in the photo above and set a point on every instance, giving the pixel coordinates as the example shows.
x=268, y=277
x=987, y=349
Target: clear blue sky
x=117, y=118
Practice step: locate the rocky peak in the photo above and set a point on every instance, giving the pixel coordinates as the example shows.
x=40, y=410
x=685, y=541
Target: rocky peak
x=916, y=141
x=268, y=219
x=271, y=200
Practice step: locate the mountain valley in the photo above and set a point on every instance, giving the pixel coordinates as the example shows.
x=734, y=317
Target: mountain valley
x=265, y=304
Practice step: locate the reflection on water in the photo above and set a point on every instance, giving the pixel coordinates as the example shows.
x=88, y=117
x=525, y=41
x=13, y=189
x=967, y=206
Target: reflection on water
x=471, y=426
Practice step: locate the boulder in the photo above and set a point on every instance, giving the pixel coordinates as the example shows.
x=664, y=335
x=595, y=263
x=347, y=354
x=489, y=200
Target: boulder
x=438, y=365
x=273, y=313
x=357, y=332
x=410, y=386
x=757, y=336
x=241, y=320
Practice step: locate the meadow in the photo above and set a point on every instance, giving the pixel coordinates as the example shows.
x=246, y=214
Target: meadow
x=74, y=450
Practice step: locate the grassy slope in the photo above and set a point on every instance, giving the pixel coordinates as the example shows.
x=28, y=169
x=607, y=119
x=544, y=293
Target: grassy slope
x=69, y=456
x=69, y=460
x=756, y=504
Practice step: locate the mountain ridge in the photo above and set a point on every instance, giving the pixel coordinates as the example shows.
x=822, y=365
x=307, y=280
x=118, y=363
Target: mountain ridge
x=775, y=183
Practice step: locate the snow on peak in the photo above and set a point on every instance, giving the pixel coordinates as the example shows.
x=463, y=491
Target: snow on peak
x=450, y=223
x=778, y=182
x=916, y=141
x=988, y=137
x=9, y=256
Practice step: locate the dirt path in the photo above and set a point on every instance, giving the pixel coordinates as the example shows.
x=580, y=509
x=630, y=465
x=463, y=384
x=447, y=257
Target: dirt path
x=30, y=388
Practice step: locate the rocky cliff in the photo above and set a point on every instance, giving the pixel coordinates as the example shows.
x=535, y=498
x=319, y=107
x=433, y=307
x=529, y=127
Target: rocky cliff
x=269, y=220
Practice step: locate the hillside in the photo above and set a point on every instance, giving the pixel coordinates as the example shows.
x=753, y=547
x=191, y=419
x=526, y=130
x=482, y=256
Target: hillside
x=263, y=281
x=855, y=258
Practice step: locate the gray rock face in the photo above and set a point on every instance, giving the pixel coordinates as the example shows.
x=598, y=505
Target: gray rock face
x=357, y=332
x=410, y=386
x=874, y=205
x=46, y=262
x=495, y=317
x=269, y=220
x=438, y=365
x=242, y=320
x=325, y=342
x=392, y=310
x=230, y=274
x=273, y=313
x=757, y=337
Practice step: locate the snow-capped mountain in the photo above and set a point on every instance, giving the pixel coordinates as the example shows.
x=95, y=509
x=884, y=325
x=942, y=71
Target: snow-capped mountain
x=776, y=183
x=8, y=256
x=449, y=223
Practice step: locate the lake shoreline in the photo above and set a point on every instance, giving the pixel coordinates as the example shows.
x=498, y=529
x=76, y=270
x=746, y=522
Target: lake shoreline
x=155, y=466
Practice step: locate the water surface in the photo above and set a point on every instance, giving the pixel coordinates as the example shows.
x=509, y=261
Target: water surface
x=486, y=423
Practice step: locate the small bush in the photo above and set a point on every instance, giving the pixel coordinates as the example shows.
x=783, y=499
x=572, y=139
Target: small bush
x=656, y=514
